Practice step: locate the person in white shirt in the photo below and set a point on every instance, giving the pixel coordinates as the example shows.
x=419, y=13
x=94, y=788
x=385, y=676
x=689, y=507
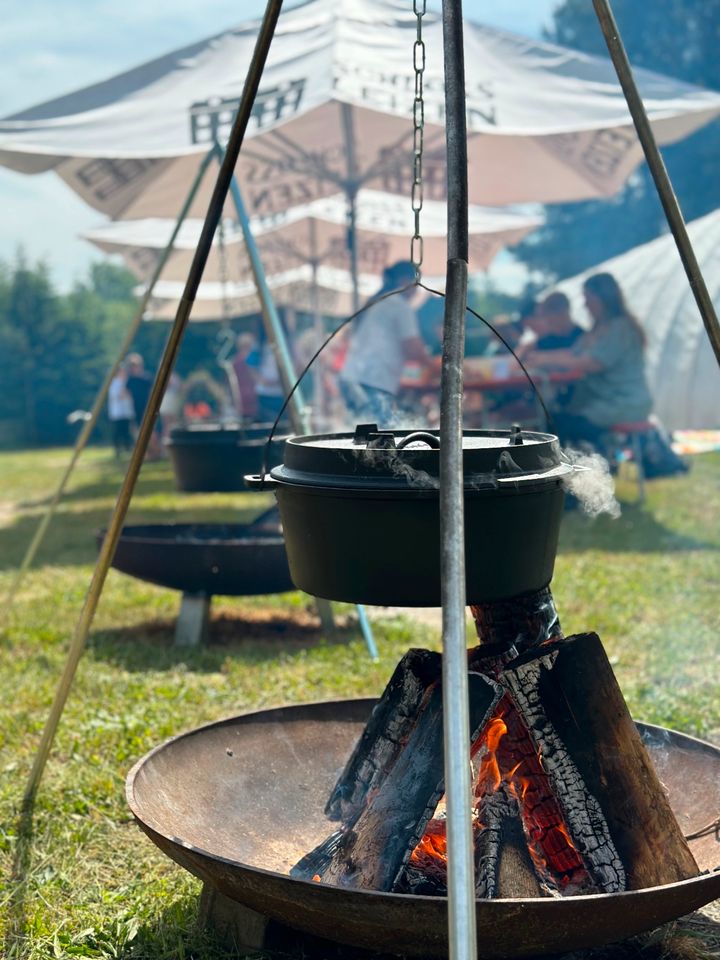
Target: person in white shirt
x=121, y=412
x=384, y=339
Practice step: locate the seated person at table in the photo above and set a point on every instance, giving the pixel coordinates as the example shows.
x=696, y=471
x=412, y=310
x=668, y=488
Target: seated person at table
x=552, y=324
x=610, y=358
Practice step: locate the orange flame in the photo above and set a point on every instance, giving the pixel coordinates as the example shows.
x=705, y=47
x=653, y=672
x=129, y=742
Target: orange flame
x=505, y=747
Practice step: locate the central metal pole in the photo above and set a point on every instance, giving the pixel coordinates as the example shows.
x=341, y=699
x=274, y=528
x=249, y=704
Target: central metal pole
x=456, y=714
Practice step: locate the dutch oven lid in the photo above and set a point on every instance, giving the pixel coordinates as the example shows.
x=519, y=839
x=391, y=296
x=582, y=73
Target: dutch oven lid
x=370, y=457
x=221, y=432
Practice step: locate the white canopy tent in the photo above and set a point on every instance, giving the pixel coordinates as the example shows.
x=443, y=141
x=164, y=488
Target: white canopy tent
x=333, y=114
x=681, y=366
x=303, y=248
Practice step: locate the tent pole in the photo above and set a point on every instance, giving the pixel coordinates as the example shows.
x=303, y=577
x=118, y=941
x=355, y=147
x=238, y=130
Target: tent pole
x=101, y=397
x=456, y=713
x=276, y=335
x=655, y=162
x=351, y=194
x=212, y=217
x=298, y=415
x=318, y=395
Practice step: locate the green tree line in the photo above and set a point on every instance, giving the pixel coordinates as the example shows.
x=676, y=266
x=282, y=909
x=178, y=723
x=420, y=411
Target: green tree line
x=679, y=38
x=55, y=348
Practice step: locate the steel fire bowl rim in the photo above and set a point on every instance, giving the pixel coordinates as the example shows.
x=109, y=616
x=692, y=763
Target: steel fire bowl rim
x=417, y=925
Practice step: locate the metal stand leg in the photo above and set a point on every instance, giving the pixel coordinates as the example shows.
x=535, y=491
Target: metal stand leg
x=325, y=612
x=367, y=632
x=193, y=622
x=637, y=453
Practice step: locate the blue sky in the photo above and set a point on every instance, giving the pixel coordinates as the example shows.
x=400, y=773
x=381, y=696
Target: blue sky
x=48, y=49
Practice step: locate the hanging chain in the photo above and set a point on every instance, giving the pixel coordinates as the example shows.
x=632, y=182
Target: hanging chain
x=416, y=195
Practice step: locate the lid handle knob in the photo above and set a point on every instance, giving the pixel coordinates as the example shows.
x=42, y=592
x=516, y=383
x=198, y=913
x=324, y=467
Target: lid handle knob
x=420, y=436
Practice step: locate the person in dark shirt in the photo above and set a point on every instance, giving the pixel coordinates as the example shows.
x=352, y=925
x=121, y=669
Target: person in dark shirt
x=552, y=324
x=138, y=385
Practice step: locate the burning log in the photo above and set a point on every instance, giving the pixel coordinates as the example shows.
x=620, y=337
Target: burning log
x=566, y=800
x=387, y=729
x=581, y=699
x=373, y=850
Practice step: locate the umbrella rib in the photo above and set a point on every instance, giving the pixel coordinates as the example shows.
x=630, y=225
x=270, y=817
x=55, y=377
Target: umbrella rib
x=389, y=157
x=315, y=165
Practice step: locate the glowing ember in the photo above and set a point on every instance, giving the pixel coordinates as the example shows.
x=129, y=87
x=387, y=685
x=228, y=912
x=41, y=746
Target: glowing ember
x=510, y=782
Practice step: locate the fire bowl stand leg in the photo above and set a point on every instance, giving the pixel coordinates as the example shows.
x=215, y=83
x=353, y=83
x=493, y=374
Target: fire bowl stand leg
x=240, y=930
x=193, y=622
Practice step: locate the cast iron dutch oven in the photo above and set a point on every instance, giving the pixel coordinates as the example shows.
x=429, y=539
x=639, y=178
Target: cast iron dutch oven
x=361, y=517
x=213, y=457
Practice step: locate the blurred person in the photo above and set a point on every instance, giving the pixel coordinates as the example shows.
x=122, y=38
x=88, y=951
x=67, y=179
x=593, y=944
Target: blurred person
x=385, y=337
x=552, y=324
x=171, y=405
x=245, y=367
x=139, y=385
x=610, y=357
x=268, y=385
x=120, y=412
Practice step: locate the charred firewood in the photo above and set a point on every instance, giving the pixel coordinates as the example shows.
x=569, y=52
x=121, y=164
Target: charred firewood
x=582, y=812
x=388, y=727
x=511, y=785
x=375, y=849
x=580, y=698
x=315, y=863
x=520, y=623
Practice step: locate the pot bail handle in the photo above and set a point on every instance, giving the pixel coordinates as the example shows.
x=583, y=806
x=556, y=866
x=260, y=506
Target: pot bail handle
x=420, y=436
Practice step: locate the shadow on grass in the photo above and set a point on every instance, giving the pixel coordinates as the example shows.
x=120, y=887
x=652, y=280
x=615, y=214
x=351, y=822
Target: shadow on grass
x=155, y=477
x=254, y=635
x=15, y=938
x=636, y=530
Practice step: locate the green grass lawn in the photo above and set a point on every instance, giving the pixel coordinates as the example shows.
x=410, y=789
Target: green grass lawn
x=87, y=883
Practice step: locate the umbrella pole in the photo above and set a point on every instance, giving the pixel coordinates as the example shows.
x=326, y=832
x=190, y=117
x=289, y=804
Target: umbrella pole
x=351, y=193
x=655, y=162
x=271, y=321
x=101, y=397
x=456, y=714
x=212, y=217
x=298, y=415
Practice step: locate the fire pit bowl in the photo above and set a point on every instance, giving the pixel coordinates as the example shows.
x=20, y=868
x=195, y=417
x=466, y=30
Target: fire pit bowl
x=361, y=517
x=205, y=558
x=238, y=802
x=214, y=457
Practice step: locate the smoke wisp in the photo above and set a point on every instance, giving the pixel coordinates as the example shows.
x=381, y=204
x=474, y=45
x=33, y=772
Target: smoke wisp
x=591, y=483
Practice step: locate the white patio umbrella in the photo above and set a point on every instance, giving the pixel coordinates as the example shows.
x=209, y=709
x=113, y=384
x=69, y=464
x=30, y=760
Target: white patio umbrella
x=328, y=292
x=333, y=113
x=307, y=245
x=680, y=363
